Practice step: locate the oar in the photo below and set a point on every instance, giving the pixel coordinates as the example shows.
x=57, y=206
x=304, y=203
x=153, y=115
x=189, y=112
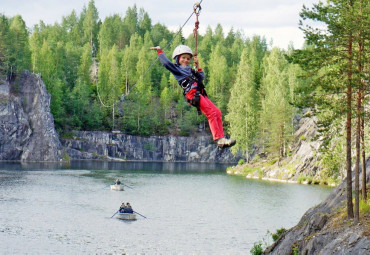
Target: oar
x=127, y=186
x=140, y=214
x=115, y=213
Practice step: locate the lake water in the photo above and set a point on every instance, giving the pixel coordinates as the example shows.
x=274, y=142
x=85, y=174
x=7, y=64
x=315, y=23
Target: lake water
x=190, y=208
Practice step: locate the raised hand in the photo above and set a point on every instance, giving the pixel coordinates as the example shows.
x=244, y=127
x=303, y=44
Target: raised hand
x=157, y=48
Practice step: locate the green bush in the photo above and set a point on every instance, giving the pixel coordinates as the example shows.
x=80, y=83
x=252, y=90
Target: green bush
x=302, y=138
x=365, y=205
x=295, y=250
x=271, y=162
x=309, y=179
x=301, y=179
x=279, y=232
x=241, y=162
x=257, y=249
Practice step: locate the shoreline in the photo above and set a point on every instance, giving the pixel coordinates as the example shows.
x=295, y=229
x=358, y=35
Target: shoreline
x=249, y=176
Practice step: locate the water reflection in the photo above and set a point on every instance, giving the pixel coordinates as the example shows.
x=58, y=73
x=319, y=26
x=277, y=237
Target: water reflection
x=169, y=167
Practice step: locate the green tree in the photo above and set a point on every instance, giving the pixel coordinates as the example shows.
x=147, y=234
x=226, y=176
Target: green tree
x=131, y=20
x=243, y=107
x=71, y=25
x=166, y=96
x=19, y=53
x=277, y=112
x=128, y=66
x=144, y=22
x=91, y=25
x=158, y=33
x=205, y=46
x=4, y=44
x=108, y=32
x=332, y=68
x=47, y=66
x=218, y=85
x=109, y=80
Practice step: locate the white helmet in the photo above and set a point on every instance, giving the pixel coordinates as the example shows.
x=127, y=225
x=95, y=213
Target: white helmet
x=181, y=49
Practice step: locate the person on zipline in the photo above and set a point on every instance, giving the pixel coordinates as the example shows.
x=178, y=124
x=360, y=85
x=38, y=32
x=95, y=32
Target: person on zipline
x=191, y=82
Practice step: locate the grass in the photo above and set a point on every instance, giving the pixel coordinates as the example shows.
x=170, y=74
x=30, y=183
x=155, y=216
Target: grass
x=365, y=205
x=271, y=162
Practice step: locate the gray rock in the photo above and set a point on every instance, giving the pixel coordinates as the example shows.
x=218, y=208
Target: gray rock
x=92, y=144
x=318, y=233
x=27, y=130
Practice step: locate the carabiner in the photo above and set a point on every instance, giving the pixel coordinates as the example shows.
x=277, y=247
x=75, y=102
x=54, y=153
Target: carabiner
x=197, y=8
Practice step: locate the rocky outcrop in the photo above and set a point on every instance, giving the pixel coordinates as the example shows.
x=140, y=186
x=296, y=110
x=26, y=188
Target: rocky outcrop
x=103, y=145
x=324, y=229
x=27, y=130
x=305, y=154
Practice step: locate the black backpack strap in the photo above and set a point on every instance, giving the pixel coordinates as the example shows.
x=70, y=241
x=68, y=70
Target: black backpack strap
x=195, y=101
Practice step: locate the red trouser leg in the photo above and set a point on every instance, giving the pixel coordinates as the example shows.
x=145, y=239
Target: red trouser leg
x=214, y=117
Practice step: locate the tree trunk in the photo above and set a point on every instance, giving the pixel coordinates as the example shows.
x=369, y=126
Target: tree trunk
x=126, y=83
x=113, y=117
x=362, y=109
x=357, y=166
x=348, y=131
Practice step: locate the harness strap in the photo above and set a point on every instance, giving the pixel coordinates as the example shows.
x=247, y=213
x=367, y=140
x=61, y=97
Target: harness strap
x=195, y=101
x=193, y=81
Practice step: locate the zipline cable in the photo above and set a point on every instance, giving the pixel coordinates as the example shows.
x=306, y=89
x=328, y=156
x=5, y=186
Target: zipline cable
x=196, y=10
x=196, y=7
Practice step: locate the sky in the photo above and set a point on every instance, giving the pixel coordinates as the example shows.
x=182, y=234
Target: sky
x=277, y=20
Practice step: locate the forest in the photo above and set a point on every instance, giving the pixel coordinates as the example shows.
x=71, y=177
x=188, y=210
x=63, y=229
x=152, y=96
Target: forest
x=102, y=76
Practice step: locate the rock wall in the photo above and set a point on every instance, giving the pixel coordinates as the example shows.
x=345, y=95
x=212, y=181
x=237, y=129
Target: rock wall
x=324, y=229
x=27, y=130
x=103, y=145
x=305, y=157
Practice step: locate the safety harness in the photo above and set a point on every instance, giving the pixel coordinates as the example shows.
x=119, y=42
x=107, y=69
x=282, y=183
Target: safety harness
x=193, y=81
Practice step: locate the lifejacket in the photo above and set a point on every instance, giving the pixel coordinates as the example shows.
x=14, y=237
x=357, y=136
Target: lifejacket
x=193, y=87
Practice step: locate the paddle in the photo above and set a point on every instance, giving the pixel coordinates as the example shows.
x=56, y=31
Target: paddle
x=127, y=186
x=115, y=214
x=140, y=214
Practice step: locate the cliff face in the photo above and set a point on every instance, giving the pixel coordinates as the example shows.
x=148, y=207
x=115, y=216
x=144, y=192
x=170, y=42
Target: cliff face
x=27, y=133
x=103, y=145
x=27, y=130
x=324, y=229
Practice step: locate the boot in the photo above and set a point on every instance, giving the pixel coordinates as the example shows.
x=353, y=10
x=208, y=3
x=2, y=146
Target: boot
x=224, y=142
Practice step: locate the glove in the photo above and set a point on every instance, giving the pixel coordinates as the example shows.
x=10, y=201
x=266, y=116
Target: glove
x=157, y=48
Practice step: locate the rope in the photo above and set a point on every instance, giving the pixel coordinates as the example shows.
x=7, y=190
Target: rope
x=197, y=9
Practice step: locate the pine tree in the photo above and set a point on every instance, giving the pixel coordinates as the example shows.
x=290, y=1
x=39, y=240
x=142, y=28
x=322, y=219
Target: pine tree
x=19, y=52
x=109, y=80
x=243, y=109
x=91, y=26
x=277, y=113
x=128, y=66
x=4, y=44
x=131, y=20
x=144, y=22
x=332, y=68
x=218, y=85
x=71, y=25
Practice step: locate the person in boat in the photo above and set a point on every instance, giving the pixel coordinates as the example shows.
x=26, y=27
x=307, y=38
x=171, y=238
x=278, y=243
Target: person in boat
x=191, y=81
x=128, y=208
x=118, y=182
x=122, y=207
